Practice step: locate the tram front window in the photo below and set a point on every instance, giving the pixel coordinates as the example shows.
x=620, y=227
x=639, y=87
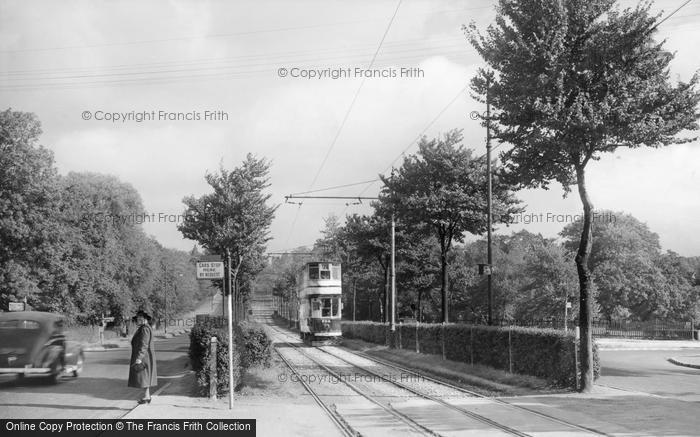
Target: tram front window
x=326, y=307
x=313, y=271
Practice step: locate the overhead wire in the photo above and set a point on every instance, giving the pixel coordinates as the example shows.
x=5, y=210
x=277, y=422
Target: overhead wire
x=354, y=99
x=224, y=35
x=669, y=16
x=347, y=114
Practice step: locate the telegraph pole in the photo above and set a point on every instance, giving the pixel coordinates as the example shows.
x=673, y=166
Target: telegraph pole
x=489, y=254
x=165, y=297
x=392, y=325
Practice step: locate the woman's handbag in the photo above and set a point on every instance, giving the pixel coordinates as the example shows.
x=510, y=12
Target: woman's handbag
x=138, y=367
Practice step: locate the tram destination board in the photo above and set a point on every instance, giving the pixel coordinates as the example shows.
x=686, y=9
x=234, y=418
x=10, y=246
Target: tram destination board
x=210, y=270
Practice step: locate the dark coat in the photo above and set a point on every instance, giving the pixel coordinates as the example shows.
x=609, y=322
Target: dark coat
x=142, y=349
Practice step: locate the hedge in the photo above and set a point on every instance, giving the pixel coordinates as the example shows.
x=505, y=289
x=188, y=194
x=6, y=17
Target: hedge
x=256, y=345
x=545, y=353
x=251, y=348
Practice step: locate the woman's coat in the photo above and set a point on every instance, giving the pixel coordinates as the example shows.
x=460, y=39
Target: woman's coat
x=142, y=349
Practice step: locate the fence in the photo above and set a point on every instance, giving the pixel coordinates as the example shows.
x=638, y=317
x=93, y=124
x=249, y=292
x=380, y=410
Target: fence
x=653, y=329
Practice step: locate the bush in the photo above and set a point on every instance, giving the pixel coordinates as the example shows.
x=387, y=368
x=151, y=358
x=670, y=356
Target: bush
x=545, y=353
x=200, y=357
x=252, y=347
x=256, y=345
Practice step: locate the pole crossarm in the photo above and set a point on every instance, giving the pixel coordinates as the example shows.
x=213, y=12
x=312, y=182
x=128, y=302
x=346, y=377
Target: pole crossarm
x=292, y=196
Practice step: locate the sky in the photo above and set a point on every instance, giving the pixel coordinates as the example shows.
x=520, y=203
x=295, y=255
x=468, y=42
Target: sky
x=160, y=93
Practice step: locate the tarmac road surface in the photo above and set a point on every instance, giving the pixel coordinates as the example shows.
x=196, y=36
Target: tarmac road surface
x=100, y=392
x=648, y=371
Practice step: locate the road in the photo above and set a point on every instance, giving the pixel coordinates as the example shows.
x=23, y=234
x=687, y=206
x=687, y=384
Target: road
x=648, y=371
x=100, y=392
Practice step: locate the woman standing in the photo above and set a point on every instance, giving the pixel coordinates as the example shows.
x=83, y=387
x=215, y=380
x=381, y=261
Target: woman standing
x=142, y=369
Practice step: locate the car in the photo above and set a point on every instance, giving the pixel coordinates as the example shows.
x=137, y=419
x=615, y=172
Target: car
x=33, y=343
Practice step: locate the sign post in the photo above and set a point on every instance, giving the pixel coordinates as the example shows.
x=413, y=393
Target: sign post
x=230, y=332
x=213, y=267
x=210, y=270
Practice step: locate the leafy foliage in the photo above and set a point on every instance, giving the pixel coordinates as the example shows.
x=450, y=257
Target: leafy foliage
x=572, y=80
x=252, y=348
x=442, y=188
x=74, y=244
x=234, y=217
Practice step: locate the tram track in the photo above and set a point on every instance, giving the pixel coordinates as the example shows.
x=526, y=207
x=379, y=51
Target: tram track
x=570, y=427
x=471, y=415
x=337, y=419
x=461, y=389
x=341, y=422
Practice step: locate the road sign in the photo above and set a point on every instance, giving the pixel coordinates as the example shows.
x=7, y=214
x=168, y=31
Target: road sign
x=210, y=270
x=16, y=306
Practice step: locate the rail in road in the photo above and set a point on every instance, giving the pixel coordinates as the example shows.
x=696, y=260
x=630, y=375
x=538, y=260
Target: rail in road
x=418, y=394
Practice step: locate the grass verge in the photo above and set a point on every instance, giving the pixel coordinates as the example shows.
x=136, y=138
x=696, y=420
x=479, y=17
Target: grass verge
x=483, y=379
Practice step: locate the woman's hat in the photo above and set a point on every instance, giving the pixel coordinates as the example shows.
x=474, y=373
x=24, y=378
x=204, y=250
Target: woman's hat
x=143, y=314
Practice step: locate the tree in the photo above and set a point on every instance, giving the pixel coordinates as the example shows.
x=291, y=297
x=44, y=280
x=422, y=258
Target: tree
x=28, y=208
x=569, y=81
x=634, y=279
x=234, y=217
x=443, y=188
x=328, y=247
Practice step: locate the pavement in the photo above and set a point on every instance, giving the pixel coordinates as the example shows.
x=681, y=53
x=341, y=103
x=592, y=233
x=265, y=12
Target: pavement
x=274, y=415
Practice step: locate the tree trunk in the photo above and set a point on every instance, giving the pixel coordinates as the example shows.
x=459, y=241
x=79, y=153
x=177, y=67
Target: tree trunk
x=584, y=279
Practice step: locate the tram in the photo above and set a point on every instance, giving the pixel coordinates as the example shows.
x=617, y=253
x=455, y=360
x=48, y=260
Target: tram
x=319, y=300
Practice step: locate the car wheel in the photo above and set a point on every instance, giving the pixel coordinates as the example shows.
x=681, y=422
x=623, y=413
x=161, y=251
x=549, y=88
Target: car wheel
x=79, y=365
x=53, y=377
x=56, y=370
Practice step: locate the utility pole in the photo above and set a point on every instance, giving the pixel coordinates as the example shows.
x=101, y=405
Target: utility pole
x=392, y=325
x=489, y=254
x=354, y=291
x=165, y=297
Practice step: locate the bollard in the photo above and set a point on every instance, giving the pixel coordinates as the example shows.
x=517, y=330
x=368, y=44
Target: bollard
x=417, y=343
x=471, y=343
x=213, y=381
x=442, y=335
